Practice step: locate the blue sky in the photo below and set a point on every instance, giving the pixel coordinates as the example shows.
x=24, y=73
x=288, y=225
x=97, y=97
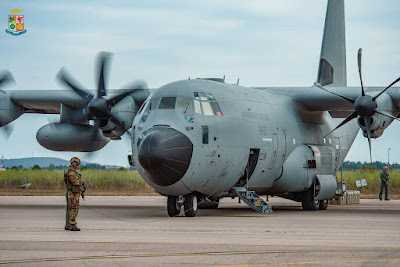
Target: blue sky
x=262, y=42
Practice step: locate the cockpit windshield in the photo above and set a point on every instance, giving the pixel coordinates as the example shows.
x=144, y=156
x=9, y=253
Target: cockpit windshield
x=205, y=104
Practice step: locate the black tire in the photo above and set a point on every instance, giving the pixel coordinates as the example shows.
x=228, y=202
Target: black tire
x=172, y=206
x=323, y=204
x=190, y=205
x=308, y=202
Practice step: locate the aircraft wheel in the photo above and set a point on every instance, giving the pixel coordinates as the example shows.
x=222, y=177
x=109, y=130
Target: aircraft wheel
x=308, y=202
x=323, y=204
x=172, y=206
x=190, y=205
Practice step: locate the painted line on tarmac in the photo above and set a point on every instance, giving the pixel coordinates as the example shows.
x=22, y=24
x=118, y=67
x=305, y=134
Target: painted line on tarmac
x=214, y=254
x=312, y=262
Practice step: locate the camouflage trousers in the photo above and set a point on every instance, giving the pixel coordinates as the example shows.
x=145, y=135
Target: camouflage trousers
x=384, y=186
x=72, y=208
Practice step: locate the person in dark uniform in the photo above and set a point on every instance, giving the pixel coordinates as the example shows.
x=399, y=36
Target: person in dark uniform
x=384, y=183
x=75, y=187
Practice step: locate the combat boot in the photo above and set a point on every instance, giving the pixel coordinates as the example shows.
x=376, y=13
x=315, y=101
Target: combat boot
x=67, y=228
x=75, y=228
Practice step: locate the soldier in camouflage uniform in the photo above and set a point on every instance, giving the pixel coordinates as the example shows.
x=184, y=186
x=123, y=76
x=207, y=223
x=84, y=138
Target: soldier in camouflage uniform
x=384, y=183
x=75, y=187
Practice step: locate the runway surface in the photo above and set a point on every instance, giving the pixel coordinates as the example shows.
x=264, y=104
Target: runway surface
x=136, y=231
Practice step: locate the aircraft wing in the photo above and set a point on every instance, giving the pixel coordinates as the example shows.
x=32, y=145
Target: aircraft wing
x=316, y=99
x=46, y=101
x=49, y=101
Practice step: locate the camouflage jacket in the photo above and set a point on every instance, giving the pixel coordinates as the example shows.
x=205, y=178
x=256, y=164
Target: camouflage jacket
x=75, y=180
x=384, y=177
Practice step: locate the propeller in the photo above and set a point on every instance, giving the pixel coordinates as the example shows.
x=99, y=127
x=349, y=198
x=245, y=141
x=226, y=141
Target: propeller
x=6, y=77
x=364, y=106
x=6, y=130
x=98, y=106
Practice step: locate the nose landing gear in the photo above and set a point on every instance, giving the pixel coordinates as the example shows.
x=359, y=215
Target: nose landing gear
x=189, y=202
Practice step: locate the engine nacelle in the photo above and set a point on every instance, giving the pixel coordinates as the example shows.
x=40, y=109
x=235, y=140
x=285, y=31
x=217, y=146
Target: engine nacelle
x=379, y=122
x=111, y=130
x=71, y=137
x=8, y=110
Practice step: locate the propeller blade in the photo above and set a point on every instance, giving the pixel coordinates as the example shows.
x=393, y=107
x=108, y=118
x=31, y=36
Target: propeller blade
x=393, y=83
x=367, y=121
x=103, y=60
x=114, y=100
x=6, y=77
x=6, y=131
x=326, y=90
x=349, y=118
x=117, y=122
x=359, y=70
x=66, y=79
x=386, y=114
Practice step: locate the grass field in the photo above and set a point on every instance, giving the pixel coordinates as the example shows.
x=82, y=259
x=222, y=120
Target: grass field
x=51, y=182
x=373, y=182
x=107, y=182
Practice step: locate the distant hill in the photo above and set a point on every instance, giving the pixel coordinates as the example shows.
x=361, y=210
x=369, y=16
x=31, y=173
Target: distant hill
x=48, y=162
x=43, y=162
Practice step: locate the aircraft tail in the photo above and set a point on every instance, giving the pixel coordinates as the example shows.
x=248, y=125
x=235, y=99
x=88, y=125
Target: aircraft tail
x=332, y=64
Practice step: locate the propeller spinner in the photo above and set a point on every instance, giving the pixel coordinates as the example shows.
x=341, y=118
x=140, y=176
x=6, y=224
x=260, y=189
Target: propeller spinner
x=364, y=106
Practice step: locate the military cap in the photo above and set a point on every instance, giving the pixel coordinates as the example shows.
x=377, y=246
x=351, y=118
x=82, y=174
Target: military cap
x=75, y=160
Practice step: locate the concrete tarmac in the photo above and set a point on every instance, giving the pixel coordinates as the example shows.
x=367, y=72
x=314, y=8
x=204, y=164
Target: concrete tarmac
x=136, y=231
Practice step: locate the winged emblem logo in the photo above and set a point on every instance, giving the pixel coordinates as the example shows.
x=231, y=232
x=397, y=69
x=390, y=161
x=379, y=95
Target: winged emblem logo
x=16, y=23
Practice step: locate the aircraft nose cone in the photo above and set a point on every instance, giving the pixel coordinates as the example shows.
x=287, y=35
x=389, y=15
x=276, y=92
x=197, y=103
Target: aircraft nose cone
x=165, y=155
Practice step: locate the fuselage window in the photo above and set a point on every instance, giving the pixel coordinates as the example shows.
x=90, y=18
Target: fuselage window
x=167, y=103
x=204, y=130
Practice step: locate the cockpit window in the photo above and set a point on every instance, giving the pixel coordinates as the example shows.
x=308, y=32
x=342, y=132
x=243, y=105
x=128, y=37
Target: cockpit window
x=207, y=110
x=210, y=97
x=203, y=96
x=142, y=107
x=197, y=107
x=167, y=103
x=216, y=109
x=153, y=104
x=205, y=103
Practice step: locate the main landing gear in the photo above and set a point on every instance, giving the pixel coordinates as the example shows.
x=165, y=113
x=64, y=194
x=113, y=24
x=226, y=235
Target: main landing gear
x=309, y=203
x=189, y=203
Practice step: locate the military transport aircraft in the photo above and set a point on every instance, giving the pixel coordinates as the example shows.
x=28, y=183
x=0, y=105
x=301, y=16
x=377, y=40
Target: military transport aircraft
x=197, y=141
